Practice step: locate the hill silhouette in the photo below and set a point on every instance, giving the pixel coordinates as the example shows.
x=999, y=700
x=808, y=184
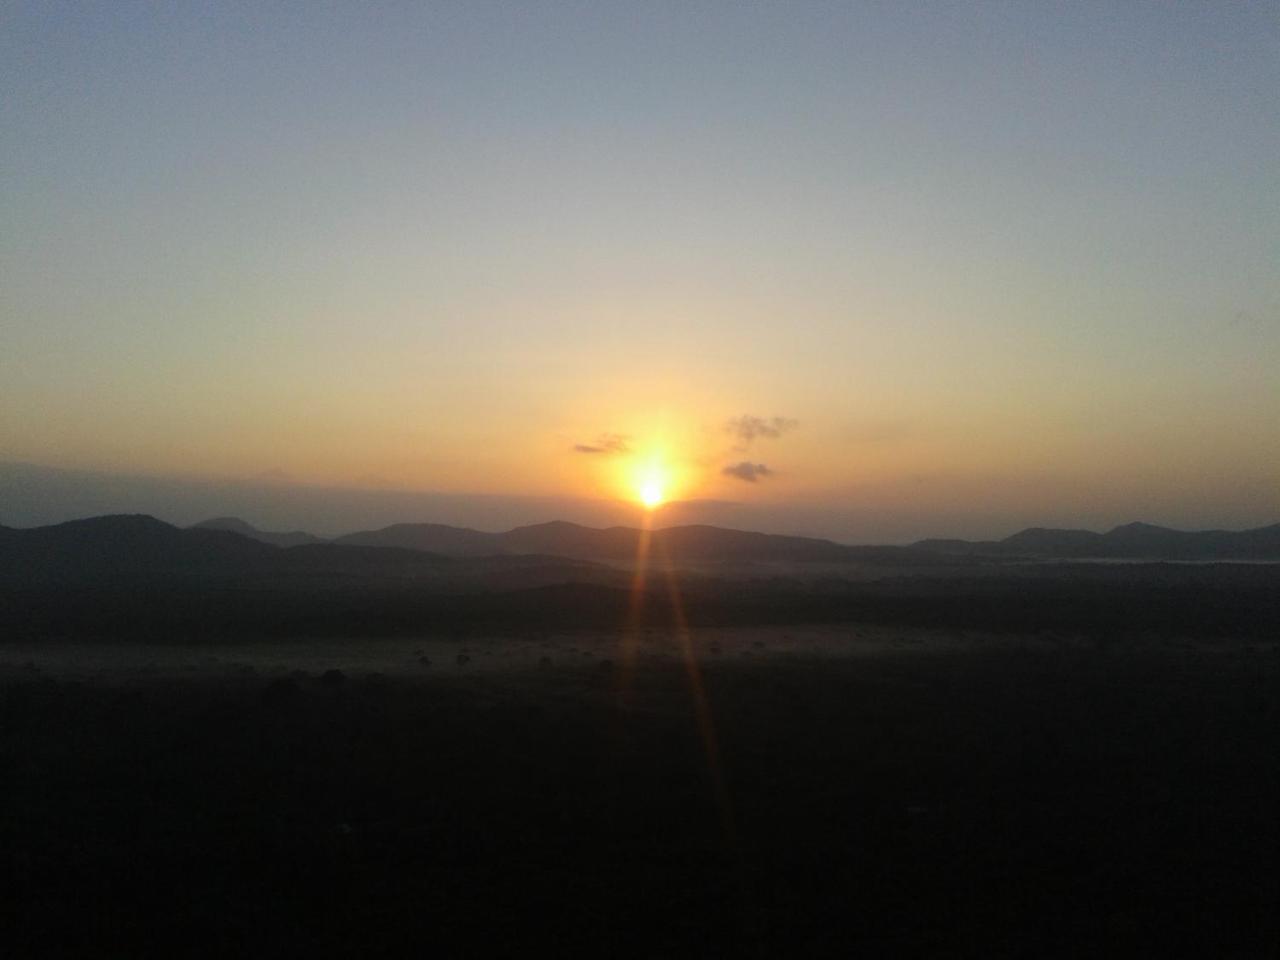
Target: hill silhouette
x=292, y=538
x=684, y=544
x=126, y=543
x=139, y=545
x=560, y=538
x=709, y=544
x=1130, y=541
x=135, y=576
x=432, y=537
x=140, y=548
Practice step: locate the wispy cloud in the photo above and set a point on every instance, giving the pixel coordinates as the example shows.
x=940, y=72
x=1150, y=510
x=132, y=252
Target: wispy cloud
x=748, y=471
x=746, y=429
x=605, y=443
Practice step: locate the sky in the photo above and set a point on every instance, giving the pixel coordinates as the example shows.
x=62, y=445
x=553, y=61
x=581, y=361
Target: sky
x=870, y=270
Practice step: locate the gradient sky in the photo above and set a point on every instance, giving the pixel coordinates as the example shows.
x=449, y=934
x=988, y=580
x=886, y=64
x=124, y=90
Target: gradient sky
x=1000, y=263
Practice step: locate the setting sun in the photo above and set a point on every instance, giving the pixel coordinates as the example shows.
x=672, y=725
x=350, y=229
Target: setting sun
x=651, y=483
x=651, y=495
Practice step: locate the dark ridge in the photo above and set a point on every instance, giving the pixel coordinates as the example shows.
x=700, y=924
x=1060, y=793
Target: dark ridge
x=431, y=537
x=687, y=544
x=135, y=576
x=126, y=543
x=292, y=538
x=1041, y=540
x=332, y=556
x=143, y=550
x=1130, y=541
x=698, y=543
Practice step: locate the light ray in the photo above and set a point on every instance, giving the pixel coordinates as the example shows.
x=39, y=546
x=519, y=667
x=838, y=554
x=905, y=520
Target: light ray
x=635, y=607
x=704, y=718
x=701, y=704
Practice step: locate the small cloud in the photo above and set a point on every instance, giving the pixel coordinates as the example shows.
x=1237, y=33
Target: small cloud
x=748, y=471
x=747, y=429
x=605, y=443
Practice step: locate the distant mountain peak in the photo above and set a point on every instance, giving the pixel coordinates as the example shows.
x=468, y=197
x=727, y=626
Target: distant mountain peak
x=1134, y=541
x=118, y=521
x=292, y=538
x=1137, y=526
x=234, y=524
x=561, y=525
x=428, y=537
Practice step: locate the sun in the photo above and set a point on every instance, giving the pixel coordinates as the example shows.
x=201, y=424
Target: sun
x=651, y=484
x=651, y=495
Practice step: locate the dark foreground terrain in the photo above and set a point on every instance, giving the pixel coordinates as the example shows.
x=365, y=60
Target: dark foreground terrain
x=922, y=795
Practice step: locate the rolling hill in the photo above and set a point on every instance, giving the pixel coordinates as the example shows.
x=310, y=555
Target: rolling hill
x=688, y=544
x=1130, y=541
x=139, y=548
x=433, y=537
x=123, y=543
x=292, y=538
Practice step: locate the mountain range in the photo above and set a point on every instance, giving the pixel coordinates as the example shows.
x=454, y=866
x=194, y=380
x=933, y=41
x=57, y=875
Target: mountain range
x=686, y=544
x=294, y=538
x=707, y=544
x=136, y=548
x=135, y=576
x=558, y=551
x=1131, y=541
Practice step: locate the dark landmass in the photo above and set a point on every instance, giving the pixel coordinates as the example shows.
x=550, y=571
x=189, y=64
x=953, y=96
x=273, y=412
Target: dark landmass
x=1132, y=541
x=1222, y=603
x=136, y=576
x=700, y=543
x=293, y=538
x=687, y=544
x=974, y=758
x=130, y=547
x=1011, y=800
x=431, y=537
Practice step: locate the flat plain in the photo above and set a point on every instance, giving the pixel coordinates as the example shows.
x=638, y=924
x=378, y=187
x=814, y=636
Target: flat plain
x=784, y=790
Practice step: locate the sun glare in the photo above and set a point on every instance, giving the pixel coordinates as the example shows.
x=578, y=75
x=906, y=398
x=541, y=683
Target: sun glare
x=651, y=486
x=651, y=495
